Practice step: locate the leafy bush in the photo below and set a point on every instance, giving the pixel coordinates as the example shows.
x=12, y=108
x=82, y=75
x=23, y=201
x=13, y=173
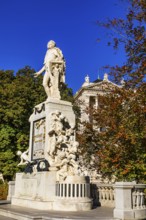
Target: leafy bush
x=3, y=190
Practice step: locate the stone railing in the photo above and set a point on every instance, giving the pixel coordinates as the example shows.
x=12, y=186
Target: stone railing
x=103, y=194
x=138, y=197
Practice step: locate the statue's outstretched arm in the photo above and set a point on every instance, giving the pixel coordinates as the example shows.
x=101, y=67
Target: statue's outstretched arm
x=39, y=72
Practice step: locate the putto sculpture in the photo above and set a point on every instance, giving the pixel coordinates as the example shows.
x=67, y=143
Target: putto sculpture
x=1, y=177
x=24, y=157
x=62, y=146
x=54, y=68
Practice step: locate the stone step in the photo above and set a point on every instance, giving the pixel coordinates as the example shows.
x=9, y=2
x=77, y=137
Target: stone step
x=10, y=212
x=5, y=218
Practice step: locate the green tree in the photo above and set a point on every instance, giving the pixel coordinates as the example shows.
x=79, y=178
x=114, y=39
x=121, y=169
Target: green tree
x=19, y=94
x=66, y=93
x=120, y=149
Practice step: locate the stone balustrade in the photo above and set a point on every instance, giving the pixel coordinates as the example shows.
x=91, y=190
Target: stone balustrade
x=103, y=194
x=106, y=195
x=138, y=197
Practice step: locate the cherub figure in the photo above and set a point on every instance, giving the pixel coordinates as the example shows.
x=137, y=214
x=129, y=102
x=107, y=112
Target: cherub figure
x=24, y=157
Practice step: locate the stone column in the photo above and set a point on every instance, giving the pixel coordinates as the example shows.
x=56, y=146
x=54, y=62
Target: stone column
x=96, y=102
x=123, y=200
x=11, y=189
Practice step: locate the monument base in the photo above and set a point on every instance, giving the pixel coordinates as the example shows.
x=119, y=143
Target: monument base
x=52, y=139
x=31, y=203
x=72, y=204
x=41, y=191
x=36, y=190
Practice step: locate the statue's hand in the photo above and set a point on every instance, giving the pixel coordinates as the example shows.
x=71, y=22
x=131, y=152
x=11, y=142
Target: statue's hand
x=36, y=74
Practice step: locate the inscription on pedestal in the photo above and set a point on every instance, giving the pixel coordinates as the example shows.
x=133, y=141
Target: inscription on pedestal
x=38, y=140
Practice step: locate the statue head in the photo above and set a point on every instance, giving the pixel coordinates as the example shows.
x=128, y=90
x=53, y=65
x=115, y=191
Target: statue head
x=87, y=79
x=51, y=44
x=19, y=153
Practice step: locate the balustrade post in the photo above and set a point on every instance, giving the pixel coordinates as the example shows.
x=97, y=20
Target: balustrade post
x=123, y=200
x=127, y=201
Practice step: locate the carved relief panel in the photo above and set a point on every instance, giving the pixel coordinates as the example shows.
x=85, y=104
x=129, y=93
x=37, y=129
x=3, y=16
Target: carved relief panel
x=38, y=140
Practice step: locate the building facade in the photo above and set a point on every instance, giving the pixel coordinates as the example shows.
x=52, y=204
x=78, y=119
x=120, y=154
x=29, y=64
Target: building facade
x=88, y=96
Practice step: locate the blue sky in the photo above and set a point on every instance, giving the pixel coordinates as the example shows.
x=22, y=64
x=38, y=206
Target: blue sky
x=27, y=25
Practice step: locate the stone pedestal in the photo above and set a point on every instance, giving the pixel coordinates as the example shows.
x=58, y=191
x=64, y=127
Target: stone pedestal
x=35, y=190
x=41, y=191
x=52, y=139
x=40, y=125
